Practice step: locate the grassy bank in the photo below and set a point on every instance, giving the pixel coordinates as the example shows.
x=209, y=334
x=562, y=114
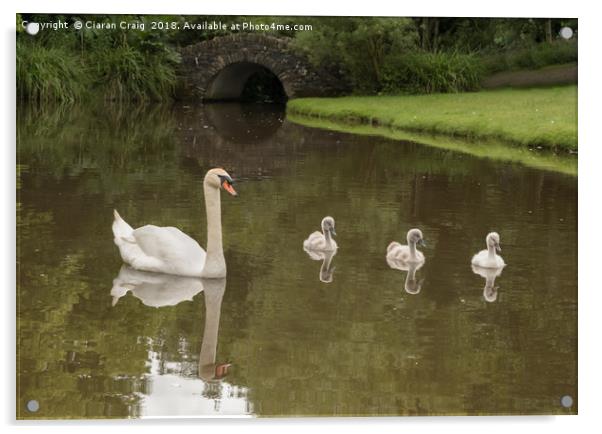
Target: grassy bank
x=539, y=117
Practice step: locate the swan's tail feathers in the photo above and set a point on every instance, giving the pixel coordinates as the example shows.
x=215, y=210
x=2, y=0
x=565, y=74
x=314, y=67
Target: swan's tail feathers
x=121, y=230
x=119, y=289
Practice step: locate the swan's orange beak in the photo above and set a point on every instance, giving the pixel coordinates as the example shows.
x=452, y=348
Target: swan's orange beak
x=222, y=370
x=228, y=187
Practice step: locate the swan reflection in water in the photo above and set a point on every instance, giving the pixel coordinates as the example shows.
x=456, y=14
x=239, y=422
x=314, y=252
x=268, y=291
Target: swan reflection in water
x=411, y=285
x=210, y=371
x=158, y=290
x=327, y=269
x=155, y=289
x=490, y=290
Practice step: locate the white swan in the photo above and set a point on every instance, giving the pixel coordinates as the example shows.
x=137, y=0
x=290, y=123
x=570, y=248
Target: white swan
x=407, y=253
x=488, y=258
x=168, y=249
x=322, y=241
x=490, y=290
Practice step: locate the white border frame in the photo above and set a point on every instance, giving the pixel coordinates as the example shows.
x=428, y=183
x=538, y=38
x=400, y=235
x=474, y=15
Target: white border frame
x=590, y=240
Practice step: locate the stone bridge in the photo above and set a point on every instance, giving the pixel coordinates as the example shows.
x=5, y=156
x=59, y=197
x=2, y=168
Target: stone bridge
x=218, y=69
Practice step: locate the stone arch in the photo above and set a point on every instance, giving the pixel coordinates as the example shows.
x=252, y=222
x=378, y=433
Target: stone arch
x=218, y=68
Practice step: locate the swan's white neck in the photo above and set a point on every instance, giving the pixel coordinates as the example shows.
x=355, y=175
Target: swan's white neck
x=215, y=264
x=412, y=246
x=491, y=250
x=327, y=237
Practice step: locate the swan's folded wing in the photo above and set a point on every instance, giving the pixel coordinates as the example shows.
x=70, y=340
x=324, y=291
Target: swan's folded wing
x=315, y=236
x=168, y=244
x=392, y=245
x=313, y=240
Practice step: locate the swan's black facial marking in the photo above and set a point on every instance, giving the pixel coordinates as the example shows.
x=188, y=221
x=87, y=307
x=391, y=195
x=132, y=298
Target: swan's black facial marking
x=224, y=178
x=493, y=240
x=328, y=226
x=226, y=183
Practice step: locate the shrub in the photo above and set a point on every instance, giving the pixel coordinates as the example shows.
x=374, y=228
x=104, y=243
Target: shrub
x=49, y=73
x=424, y=72
x=357, y=47
x=119, y=65
x=127, y=73
x=533, y=56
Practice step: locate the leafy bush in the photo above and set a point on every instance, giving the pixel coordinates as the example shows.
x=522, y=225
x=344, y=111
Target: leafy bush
x=424, y=72
x=532, y=57
x=357, y=48
x=382, y=55
x=127, y=73
x=119, y=65
x=49, y=73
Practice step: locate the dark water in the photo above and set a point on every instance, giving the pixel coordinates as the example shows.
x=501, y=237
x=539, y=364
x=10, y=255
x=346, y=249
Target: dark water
x=359, y=345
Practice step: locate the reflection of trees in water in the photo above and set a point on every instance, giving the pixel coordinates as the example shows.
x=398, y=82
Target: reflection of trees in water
x=68, y=140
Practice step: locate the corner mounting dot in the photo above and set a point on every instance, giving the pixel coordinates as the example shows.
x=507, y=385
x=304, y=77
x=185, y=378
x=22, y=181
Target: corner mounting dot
x=33, y=405
x=566, y=401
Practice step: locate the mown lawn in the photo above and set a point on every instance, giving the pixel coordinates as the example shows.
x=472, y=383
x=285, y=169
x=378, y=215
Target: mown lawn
x=544, y=117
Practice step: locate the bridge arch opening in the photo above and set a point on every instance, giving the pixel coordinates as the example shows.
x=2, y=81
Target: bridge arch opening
x=248, y=82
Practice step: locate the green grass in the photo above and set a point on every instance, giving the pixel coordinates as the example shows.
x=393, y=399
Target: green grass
x=538, y=117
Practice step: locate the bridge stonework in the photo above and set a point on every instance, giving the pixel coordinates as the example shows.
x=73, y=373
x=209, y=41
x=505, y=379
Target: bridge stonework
x=218, y=69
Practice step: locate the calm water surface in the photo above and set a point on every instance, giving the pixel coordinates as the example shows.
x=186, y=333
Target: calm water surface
x=285, y=334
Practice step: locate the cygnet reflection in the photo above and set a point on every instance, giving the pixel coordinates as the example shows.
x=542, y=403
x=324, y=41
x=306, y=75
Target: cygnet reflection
x=327, y=268
x=490, y=290
x=411, y=285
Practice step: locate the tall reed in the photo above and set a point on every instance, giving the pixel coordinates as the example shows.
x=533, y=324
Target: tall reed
x=49, y=74
x=127, y=73
x=424, y=72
